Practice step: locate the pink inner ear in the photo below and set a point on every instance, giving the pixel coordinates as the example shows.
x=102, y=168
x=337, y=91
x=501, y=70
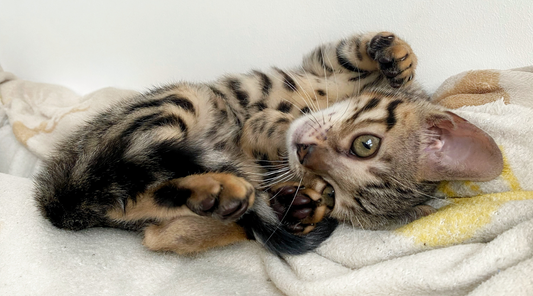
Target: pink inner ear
x=460, y=151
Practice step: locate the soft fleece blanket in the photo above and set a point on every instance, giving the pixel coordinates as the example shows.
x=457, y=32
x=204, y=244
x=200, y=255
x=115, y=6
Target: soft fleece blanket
x=480, y=242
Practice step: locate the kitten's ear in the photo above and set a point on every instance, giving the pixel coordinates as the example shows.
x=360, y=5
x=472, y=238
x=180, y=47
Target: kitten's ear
x=458, y=151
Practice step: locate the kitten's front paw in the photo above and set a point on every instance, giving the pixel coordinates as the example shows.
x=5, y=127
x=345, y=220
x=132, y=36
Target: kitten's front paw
x=300, y=210
x=395, y=58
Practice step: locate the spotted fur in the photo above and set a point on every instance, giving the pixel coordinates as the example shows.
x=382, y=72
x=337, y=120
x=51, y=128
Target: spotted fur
x=191, y=164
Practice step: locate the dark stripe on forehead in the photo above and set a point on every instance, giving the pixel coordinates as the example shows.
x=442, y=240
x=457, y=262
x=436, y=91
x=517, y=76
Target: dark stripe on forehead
x=343, y=61
x=371, y=104
x=241, y=95
x=391, y=117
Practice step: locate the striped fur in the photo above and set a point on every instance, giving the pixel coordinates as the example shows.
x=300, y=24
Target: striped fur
x=184, y=161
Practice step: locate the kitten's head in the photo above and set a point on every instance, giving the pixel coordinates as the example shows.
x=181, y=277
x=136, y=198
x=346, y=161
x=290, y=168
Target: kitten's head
x=383, y=154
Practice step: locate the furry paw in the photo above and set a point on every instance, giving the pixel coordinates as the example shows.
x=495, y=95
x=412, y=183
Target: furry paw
x=395, y=57
x=299, y=210
x=219, y=195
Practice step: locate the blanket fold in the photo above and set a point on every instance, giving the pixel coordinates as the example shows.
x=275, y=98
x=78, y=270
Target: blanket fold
x=480, y=241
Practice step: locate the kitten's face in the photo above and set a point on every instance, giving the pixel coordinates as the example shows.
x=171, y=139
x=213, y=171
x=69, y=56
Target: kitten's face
x=374, y=151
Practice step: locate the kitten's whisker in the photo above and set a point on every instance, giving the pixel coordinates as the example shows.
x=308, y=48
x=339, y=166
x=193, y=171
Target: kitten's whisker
x=268, y=163
x=415, y=190
x=359, y=222
x=285, y=215
x=315, y=103
x=312, y=126
x=274, y=196
x=326, y=79
x=267, y=167
x=275, y=180
x=270, y=173
x=301, y=111
x=314, y=94
x=334, y=77
x=273, y=161
x=283, y=180
x=303, y=99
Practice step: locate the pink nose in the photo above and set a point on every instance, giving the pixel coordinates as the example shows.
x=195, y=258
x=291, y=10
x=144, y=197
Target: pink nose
x=314, y=157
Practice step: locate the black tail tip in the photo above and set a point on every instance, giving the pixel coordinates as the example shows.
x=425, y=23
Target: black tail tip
x=281, y=242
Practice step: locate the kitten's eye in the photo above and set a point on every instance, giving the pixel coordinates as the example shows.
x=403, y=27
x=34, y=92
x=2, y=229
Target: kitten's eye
x=365, y=146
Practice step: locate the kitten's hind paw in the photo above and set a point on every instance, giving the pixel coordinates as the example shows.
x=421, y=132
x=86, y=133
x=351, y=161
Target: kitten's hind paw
x=222, y=196
x=299, y=210
x=395, y=57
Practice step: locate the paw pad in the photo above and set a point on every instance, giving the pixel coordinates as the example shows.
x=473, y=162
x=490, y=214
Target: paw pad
x=298, y=210
x=395, y=58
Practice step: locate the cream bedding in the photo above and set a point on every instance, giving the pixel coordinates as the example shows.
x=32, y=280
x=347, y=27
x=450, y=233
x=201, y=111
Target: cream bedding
x=481, y=245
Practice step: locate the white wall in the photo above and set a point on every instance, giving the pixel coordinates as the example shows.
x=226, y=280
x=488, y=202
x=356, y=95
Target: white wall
x=138, y=43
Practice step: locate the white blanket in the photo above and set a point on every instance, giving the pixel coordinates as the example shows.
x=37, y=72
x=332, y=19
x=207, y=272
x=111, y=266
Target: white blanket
x=479, y=246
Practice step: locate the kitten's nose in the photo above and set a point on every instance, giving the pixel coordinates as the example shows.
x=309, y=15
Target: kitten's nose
x=303, y=150
x=314, y=157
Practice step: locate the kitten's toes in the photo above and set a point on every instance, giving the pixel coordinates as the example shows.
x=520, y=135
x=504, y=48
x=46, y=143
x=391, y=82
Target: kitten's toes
x=395, y=57
x=299, y=210
x=219, y=195
x=380, y=42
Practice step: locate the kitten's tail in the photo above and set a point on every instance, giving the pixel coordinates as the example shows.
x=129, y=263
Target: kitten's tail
x=261, y=223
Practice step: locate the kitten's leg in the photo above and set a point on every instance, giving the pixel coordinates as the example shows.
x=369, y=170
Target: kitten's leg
x=363, y=55
x=263, y=136
x=191, y=234
x=222, y=196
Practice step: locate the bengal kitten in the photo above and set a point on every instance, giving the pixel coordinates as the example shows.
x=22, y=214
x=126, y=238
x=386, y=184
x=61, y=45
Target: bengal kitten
x=278, y=156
